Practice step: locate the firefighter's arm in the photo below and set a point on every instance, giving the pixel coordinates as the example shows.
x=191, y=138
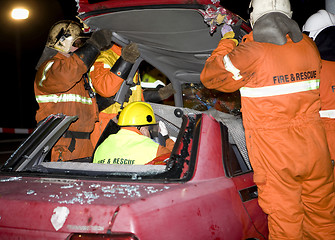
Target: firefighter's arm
x=169, y=144
x=60, y=74
x=163, y=153
x=229, y=68
x=105, y=83
x=106, y=79
x=123, y=67
x=215, y=75
x=162, y=150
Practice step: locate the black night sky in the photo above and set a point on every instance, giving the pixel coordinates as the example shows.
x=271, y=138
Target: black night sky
x=22, y=43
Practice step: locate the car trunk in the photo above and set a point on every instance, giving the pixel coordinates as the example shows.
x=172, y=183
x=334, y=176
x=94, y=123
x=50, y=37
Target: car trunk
x=37, y=206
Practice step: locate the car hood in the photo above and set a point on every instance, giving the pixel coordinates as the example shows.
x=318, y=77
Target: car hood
x=65, y=205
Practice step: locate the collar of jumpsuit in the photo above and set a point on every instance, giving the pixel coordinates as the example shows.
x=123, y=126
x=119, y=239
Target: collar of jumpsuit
x=273, y=28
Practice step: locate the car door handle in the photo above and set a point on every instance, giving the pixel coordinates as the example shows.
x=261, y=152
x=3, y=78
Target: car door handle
x=248, y=194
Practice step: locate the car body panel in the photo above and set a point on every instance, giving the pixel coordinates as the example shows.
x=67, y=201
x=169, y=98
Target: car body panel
x=206, y=205
x=141, y=208
x=196, y=205
x=93, y=203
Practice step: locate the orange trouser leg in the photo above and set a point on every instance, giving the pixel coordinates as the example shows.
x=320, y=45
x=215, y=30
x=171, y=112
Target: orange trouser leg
x=329, y=125
x=293, y=172
x=319, y=221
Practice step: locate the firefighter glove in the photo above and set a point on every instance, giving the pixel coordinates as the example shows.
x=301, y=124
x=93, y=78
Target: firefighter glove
x=166, y=91
x=163, y=129
x=227, y=32
x=101, y=39
x=130, y=52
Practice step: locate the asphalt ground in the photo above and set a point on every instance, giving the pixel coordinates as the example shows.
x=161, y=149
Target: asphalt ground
x=8, y=144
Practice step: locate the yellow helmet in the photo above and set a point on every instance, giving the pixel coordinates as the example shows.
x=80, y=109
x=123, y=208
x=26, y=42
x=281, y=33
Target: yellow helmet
x=137, y=114
x=63, y=34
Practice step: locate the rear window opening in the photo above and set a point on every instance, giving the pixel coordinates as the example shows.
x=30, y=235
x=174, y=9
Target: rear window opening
x=33, y=157
x=39, y=162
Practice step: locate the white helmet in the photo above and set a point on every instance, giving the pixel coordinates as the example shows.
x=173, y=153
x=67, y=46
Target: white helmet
x=317, y=22
x=259, y=8
x=63, y=35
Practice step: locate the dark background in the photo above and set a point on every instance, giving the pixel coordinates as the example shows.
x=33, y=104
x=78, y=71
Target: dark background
x=22, y=43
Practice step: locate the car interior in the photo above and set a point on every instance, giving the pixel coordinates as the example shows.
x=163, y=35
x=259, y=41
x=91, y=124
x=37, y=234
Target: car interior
x=183, y=123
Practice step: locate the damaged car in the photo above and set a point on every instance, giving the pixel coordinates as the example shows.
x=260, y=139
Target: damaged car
x=205, y=188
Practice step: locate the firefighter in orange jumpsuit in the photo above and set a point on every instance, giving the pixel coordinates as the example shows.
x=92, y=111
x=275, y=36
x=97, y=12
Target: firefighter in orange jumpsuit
x=59, y=85
x=321, y=28
x=132, y=144
x=277, y=70
x=108, y=73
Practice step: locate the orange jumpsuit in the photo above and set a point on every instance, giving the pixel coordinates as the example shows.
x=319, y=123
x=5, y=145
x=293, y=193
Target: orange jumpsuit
x=327, y=97
x=59, y=88
x=285, y=137
x=107, y=84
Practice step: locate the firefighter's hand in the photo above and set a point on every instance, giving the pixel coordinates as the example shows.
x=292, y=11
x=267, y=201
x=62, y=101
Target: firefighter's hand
x=166, y=91
x=101, y=39
x=130, y=52
x=226, y=30
x=228, y=33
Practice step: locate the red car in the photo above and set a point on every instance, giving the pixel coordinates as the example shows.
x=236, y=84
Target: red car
x=205, y=190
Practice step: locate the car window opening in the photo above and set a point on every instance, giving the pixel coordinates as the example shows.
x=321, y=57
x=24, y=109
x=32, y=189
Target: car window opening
x=178, y=166
x=234, y=163
x=175, y=166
